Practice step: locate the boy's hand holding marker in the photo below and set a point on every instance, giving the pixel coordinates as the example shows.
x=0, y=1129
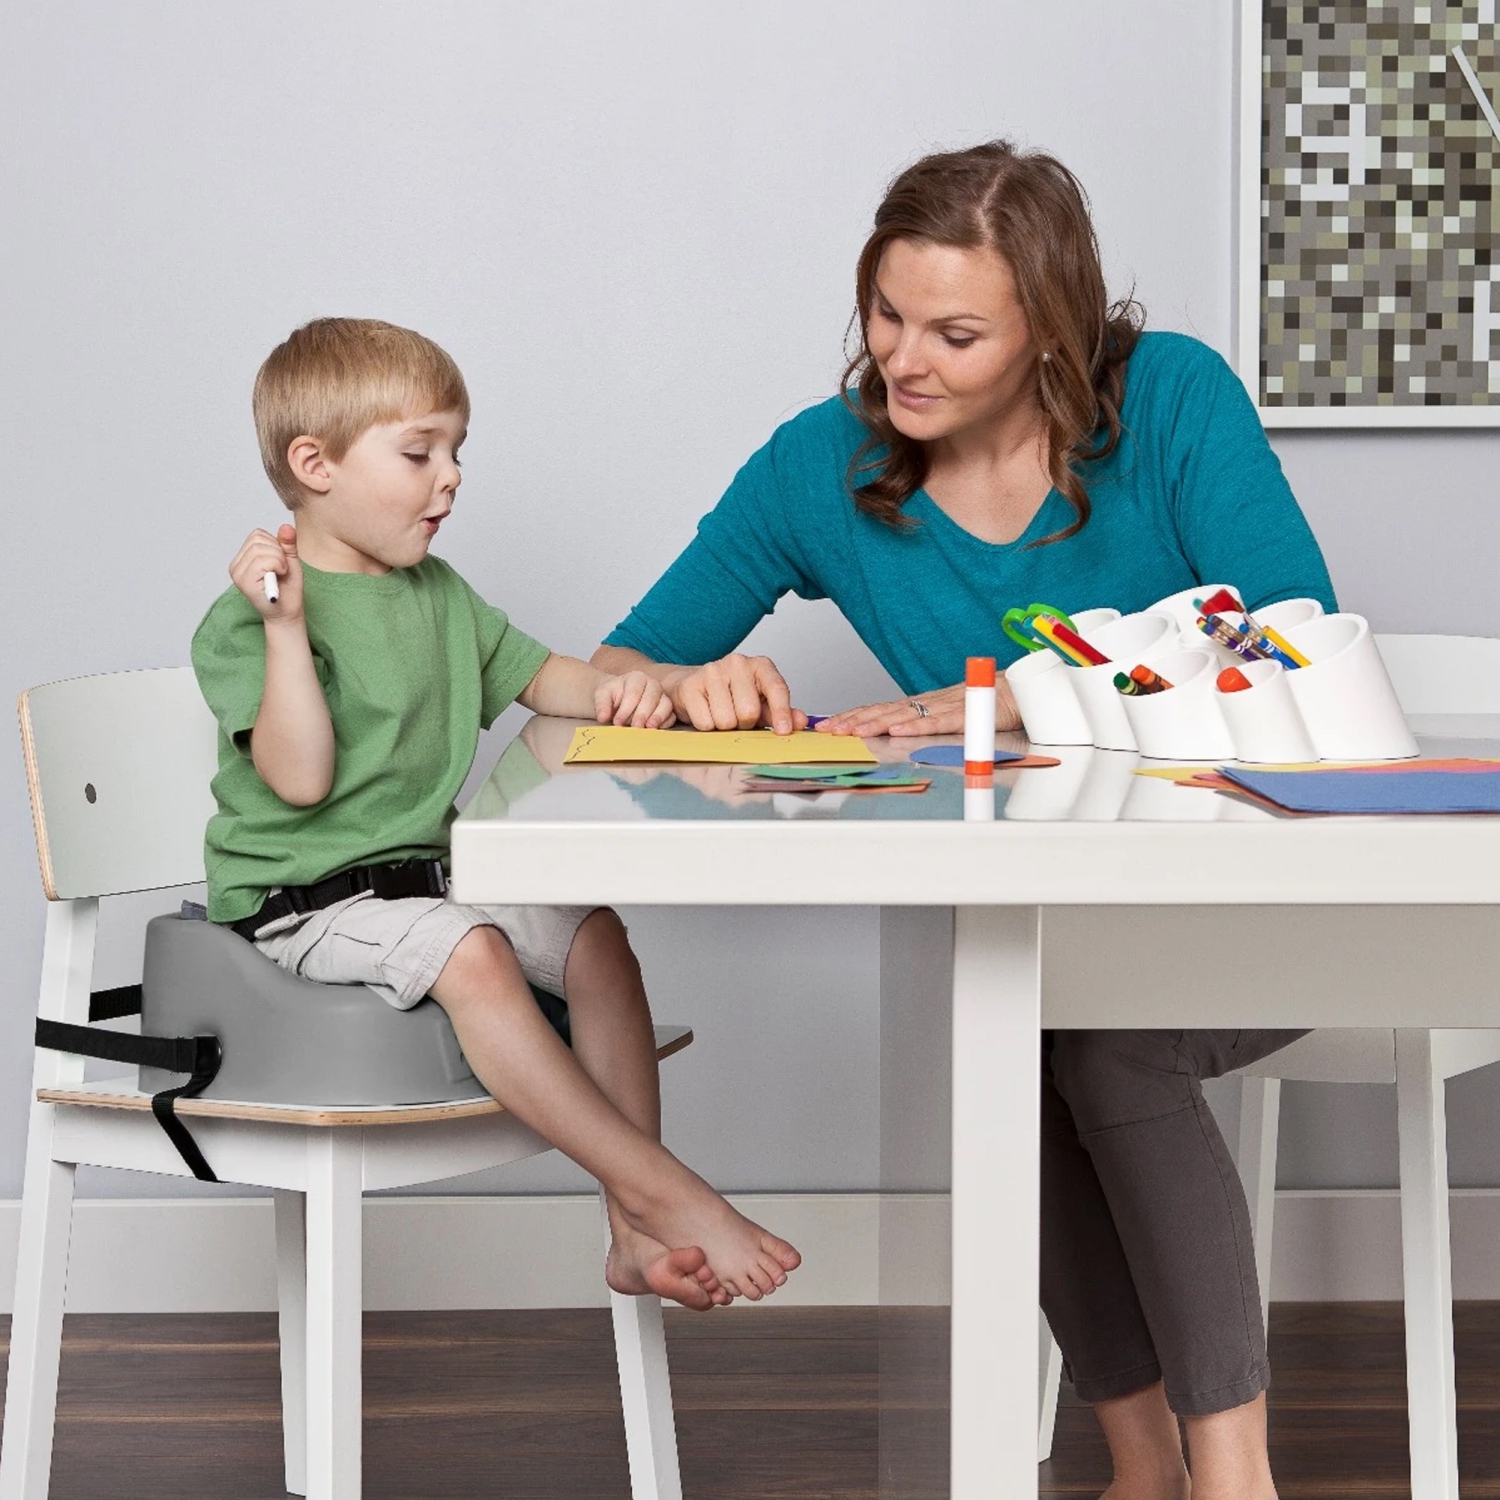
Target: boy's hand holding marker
x=266, y=571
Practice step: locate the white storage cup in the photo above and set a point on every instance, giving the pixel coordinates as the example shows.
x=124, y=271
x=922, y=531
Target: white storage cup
x=1128, y=640
x=1091, y=619
x=1180, y=606
x=1184, y=722
x=1044, y=695
x=1264, y=720
x=1345, y=696
x=1289, y=612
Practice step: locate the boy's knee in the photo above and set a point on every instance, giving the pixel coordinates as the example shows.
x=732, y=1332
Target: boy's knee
x=482, y=953
x=601, y=938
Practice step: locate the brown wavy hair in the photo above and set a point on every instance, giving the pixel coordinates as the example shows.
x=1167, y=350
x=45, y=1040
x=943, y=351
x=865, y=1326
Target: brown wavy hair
x=1032, y=211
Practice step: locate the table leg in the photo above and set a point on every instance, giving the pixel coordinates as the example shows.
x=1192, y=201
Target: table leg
x=996, y=1188
x=916, y=1154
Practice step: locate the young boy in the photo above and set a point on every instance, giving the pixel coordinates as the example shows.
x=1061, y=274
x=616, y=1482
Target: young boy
x=351, y=673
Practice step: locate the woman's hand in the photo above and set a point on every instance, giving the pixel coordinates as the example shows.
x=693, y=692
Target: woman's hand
x=944, y=714
x=735, y=692
x=635, y=699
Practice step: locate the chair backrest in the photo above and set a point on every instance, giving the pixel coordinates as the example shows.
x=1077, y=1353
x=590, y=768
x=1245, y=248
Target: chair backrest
x=119, y=768
x=1444, y=674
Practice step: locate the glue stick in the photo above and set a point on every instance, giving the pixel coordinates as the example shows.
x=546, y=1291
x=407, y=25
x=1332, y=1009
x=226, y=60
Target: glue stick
x=979, y=716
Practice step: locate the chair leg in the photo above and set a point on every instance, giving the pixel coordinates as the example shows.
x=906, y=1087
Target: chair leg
x=334, y=1314
x=291, y=1304
x=1427, y=1271
x=646, y=1396
x=1049, y=1380
x=1260, y=1123
x=36, y=1327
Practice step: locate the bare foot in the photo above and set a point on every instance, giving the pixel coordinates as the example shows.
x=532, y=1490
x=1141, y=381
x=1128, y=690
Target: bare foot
x=748, y=1261
x=637, y=1264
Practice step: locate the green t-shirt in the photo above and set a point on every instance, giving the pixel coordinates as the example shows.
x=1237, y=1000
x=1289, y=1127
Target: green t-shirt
x=413, y=664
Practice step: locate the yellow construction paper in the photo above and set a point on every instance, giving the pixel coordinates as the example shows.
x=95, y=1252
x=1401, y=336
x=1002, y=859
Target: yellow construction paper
x=731, y=747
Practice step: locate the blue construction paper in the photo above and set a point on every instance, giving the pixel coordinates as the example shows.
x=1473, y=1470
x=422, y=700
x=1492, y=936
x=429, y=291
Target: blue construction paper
x=1371, y=792
x=953, y=755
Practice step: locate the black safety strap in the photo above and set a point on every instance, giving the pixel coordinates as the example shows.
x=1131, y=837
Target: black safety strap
x=110, y=1005
x=198, y=1056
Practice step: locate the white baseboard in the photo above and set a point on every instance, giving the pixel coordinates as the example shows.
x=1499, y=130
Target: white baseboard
x=217, y=1254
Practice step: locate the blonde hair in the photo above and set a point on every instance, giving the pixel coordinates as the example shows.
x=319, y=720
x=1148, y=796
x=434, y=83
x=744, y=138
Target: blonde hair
x=335, y=378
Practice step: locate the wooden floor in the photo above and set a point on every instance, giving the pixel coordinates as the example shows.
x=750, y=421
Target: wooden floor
x=773, y=1404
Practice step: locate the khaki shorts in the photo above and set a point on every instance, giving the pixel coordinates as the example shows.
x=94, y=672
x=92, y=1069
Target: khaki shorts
x=399, y=948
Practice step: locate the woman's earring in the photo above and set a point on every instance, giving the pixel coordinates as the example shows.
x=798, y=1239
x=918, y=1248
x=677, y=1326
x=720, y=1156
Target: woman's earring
x=1045, y=356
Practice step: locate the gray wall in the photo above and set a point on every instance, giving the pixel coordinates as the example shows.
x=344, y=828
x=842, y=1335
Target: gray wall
x=635, y=228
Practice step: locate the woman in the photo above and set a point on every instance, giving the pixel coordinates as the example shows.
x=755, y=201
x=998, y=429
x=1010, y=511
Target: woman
x=1005, y=435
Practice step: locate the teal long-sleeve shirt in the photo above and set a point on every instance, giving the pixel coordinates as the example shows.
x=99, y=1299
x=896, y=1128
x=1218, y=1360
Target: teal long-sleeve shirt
x=1192, y=495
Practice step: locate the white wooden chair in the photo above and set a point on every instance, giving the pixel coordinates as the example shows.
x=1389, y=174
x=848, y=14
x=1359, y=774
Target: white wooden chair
x=119, y=769
x=1436, y=676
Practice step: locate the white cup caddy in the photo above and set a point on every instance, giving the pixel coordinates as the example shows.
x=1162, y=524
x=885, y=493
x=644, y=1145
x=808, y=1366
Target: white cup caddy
x=1184, y=722
x=1046, y=794
x=1106, y=784
x=1180, y=608
x=1127, y=641
x=1045, y=699
x=1345, y=696
x=1264, y=721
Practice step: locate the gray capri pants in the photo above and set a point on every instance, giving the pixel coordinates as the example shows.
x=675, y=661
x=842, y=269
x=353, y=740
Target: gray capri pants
x=1148, y=1272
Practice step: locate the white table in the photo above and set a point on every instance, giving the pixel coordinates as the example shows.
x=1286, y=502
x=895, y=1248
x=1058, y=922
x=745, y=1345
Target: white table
x=1100, y=851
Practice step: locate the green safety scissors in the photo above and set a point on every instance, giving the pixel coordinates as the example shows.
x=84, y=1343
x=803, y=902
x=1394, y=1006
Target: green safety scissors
x=1016, y=623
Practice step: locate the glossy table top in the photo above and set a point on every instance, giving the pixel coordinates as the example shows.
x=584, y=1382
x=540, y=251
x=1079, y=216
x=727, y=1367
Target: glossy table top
x=1090, y=830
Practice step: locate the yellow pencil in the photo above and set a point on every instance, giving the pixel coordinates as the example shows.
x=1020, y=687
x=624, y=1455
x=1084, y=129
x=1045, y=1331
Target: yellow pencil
x=1282, y=647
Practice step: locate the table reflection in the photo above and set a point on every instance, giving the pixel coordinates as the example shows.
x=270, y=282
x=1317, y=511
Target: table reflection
x=531, y=783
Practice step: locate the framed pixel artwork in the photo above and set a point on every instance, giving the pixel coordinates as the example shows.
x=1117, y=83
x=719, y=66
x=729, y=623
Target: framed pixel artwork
x=1369, y=263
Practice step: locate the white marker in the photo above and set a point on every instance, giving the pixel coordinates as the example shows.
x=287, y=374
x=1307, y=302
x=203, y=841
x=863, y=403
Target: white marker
x=272, y=592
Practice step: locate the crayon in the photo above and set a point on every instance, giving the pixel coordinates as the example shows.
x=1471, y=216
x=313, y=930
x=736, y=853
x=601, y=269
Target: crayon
x=1232, y=680
x=1149, y=681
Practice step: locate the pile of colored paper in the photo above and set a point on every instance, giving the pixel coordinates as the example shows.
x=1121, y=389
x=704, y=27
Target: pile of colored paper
x=1412, y=786
x=833, y=779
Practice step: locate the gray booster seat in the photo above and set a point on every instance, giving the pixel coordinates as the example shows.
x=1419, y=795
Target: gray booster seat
x=287, y=1040
x=216, y=1012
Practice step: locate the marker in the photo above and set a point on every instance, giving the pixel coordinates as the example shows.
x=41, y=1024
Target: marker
x=1221, y=603
x=979, y=716
x=1127, y=685
x=272, y=592
x=1059, y=634
x=1232, y=680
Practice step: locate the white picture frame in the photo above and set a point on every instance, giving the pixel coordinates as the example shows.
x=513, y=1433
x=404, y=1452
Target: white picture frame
x=1250, y=208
